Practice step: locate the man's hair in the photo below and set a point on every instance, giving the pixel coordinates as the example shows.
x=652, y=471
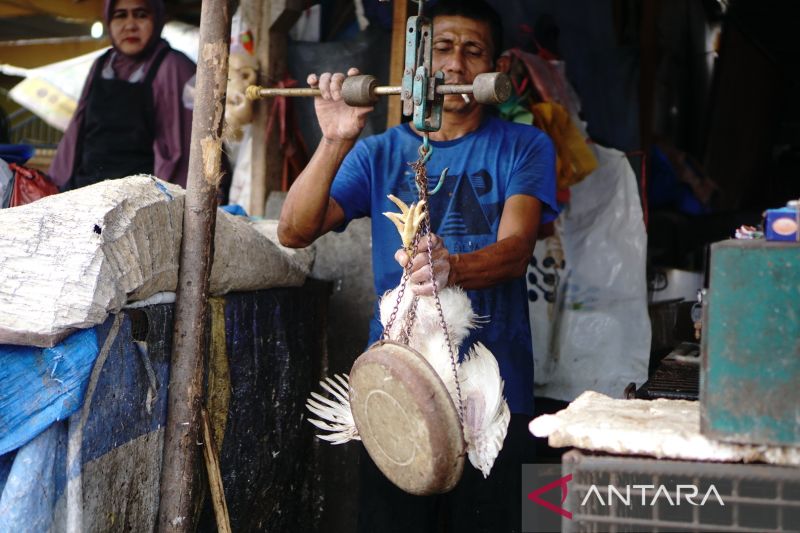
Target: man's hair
x=476, y=10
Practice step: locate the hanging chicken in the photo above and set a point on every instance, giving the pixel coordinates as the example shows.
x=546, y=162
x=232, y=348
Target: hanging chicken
x=474, y=384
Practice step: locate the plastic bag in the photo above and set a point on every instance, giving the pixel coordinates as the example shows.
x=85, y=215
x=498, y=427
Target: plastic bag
x=29, y=185
x=587, y=289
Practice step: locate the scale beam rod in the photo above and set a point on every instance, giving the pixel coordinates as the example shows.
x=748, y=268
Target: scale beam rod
x=359, y=91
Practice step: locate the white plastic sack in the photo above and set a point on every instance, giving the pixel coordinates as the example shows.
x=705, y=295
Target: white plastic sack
x=587, y=291
x=240, y=154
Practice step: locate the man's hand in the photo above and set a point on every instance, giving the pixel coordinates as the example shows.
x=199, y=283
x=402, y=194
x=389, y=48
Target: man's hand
x=338, y=121
x=420, y=280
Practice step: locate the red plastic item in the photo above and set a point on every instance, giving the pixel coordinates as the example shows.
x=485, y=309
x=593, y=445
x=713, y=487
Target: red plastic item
x=29, y=185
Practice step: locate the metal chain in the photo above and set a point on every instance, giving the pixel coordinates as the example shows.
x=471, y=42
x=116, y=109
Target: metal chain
x=411, y=315
x=443, y=324
x=421, y=180
x=386, y=335
x=389, y=323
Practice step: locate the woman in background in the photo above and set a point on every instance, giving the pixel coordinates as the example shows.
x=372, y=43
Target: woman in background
x=135, y=112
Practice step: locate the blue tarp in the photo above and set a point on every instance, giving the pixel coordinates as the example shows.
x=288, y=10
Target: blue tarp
x=99, y=470
x=28, y=492
x=42, y=385
x=39, y=388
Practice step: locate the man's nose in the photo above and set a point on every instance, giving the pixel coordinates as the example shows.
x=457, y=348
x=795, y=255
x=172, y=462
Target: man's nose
x=455, y=61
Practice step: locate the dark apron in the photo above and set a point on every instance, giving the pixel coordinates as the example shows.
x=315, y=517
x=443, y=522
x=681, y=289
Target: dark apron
x=117, y=134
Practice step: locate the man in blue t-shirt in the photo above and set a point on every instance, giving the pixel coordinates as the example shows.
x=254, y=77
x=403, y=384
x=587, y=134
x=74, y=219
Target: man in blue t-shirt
x=500, y=186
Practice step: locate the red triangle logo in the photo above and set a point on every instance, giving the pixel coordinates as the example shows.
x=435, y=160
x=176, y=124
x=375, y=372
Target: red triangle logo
x=561, y=482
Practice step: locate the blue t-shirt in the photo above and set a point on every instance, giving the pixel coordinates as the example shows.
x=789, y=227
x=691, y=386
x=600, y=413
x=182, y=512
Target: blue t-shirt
x=498, y=160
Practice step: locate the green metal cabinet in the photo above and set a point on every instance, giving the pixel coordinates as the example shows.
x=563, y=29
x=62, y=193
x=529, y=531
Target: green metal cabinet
x=750, y=383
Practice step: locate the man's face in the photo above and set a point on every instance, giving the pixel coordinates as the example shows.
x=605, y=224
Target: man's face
x=131, y=26
x=462, y=49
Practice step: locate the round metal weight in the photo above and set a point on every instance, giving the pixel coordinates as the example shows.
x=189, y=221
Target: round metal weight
x=359, y=91
x=406, y=419
x=491, y=88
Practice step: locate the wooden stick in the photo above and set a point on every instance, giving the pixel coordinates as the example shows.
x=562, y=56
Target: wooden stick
x=180, y=467
x=397, y=59
x=215, y=477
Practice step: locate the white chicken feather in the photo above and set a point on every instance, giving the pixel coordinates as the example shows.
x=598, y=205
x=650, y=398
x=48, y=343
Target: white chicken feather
x=427, y=336
x=486, y=414
x=337, y=418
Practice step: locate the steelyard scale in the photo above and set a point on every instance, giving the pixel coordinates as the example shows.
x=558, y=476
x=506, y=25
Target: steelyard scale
x=407, y=420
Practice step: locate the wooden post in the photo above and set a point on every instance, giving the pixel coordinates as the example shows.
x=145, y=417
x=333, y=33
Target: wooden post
x=397, y=61
x=180, y=466
x=255, y=11
x=270, y=21
x=647, y=72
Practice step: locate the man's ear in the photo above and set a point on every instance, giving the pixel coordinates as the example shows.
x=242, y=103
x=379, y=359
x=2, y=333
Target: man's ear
x=503, y=64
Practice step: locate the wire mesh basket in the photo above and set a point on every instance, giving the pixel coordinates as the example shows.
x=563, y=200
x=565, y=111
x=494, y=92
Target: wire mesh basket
x=612, y=493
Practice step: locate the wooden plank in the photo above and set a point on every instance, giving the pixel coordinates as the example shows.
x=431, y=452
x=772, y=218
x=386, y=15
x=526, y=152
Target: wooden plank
x=37, y=52
x=756, y=104
x=215, y=477
x=270, y=21
x=255, y=13
x=9, y=11
x=647, y=72
x=397, y=60
x=179, y=469
x=86, y=10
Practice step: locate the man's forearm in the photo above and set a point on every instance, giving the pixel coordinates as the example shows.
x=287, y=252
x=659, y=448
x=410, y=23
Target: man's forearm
x=502, y=261
x=305, y=210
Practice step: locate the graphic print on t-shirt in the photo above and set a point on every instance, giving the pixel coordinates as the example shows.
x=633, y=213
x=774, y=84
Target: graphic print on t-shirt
x=458, y=209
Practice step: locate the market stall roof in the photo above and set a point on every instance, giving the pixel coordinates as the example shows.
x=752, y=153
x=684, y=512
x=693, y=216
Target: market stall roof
x=78, y=10
x=38, y=16
x=38, y=32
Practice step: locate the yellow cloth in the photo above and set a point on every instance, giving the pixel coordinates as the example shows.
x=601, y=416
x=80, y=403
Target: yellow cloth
x=574, y=159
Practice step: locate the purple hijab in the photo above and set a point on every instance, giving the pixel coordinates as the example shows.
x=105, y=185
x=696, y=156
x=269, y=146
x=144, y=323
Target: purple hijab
x=173, y=116
x=124, y=65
